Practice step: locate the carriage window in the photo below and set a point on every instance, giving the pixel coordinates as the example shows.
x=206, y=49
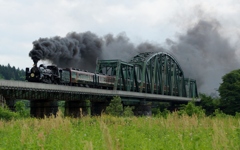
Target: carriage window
x=84, y=77
x=74, y=75
x=101, y=79
x=66, y=75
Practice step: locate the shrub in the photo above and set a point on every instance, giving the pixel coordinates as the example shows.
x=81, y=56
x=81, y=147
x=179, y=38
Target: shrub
x=158, y=113
x=6, y=114
x=21, y=109
x=128, y=111
x=61, y=106
x=190, y=109
x=219, y=113
x=115, y=107
x=237, y=115
x=209, y=103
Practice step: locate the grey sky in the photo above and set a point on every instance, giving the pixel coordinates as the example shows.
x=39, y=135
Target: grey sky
x=24, y=21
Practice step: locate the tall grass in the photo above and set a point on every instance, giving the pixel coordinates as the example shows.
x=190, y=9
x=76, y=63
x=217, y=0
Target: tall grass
x=117, y=133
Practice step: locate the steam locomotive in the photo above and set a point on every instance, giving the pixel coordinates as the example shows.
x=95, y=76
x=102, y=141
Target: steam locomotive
x=51, y=74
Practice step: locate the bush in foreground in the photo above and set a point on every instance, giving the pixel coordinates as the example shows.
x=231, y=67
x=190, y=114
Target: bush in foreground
x=191, y=109
x=21, y=109
x=6, y=114
x=115, y=108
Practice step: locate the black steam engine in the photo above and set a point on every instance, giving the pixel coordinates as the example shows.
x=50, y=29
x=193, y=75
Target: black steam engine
x=45, y=74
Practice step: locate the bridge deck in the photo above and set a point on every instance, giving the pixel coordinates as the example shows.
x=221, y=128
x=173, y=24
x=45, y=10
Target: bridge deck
x=8, y=84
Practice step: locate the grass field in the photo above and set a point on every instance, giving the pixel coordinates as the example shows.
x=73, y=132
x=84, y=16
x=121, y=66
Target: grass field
x=113, y=133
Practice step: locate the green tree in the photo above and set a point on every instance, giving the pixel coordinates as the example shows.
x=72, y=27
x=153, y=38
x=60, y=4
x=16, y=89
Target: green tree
x=1, y=76
x=6, y=114
x=115, y=107
x=191, y=109
x=160, y=109
x=11, y=73
x=128, y=111
x=20, y=108
x=209, y=104
x=230, y=92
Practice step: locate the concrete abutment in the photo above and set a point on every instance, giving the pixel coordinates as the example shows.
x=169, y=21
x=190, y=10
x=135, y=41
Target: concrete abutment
x=143, y=108
x=42, y=108
x=77, y=108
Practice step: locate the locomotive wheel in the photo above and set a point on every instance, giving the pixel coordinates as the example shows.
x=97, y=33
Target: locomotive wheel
x=47, y=80
x=52, y=80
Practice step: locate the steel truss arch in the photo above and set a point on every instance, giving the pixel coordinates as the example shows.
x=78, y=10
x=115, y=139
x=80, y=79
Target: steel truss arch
x=160, y=73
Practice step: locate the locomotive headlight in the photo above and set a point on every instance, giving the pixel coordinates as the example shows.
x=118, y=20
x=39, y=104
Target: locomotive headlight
x=32, y=75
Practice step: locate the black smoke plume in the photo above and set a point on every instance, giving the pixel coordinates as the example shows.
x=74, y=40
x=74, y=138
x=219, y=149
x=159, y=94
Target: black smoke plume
x=81, y=50
x=205, y=54
x=202, y=52
x=74, y=50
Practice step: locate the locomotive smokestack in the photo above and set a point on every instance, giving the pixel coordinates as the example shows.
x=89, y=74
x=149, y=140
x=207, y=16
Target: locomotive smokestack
x=35, y=62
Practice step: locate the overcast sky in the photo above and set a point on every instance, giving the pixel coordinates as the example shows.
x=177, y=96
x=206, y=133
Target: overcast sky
x=154, y=21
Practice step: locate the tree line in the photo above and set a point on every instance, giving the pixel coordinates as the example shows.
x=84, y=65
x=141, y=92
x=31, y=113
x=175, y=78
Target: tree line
x=229, y=99
x=11, y=73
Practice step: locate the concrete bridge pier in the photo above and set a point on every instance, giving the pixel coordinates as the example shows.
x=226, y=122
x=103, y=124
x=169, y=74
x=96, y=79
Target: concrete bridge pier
x=77, y=108
x=42, y=108
x=143, y=108
x=99, y=107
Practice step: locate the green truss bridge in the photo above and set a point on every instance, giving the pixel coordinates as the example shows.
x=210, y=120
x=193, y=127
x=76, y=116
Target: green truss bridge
x=154, y=73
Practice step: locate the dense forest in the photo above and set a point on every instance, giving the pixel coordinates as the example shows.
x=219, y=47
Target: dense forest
x=11, y=73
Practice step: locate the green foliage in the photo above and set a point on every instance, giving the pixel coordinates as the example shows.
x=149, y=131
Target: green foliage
x=156, y=111
x=161, y=109
x=209, y=104
x=128, y=111
x=160, y=113
x=21, y=109
x=1, y=76
x=61, y=106
x=191, y=109
x=88, y=105
x=6, y=114
x=115, y=107
x=229, y=92
x=237, y=115
x=11, y=73
x=219, y=113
